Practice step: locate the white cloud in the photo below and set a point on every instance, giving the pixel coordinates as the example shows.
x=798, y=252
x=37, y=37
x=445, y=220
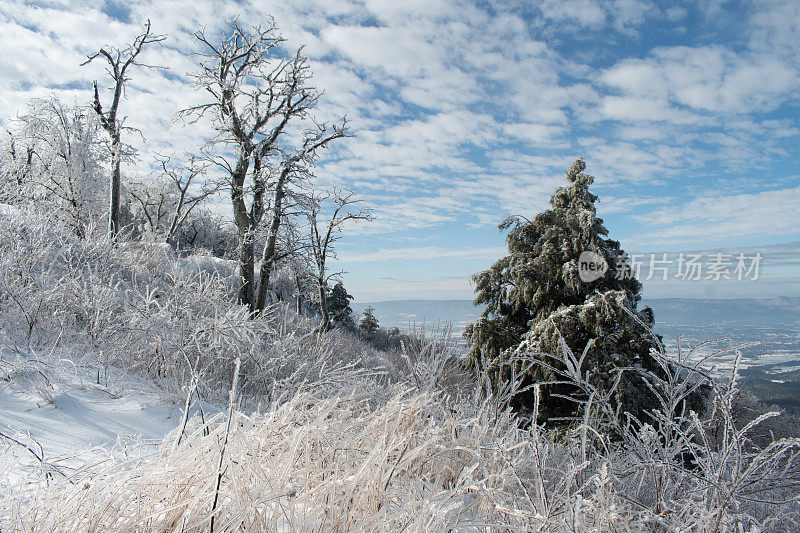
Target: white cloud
x=715, y=218
x=613, y=205
x=437, y=288
x=624, y=15
x=386, y=49
x=582, y=12
x=422, y=253
x=709, y=78
x=464, y=113
x=533, y=133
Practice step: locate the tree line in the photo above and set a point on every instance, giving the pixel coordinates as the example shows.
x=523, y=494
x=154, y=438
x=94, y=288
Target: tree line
x=257, y=95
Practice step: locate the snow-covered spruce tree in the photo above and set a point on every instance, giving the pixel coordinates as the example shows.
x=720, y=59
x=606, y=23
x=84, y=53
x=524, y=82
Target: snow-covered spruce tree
x=368, y=322
x=339, y=304
x=534, y=297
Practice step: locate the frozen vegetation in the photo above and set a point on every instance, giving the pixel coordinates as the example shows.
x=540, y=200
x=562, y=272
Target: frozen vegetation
x=162, y=370
x=108, y=347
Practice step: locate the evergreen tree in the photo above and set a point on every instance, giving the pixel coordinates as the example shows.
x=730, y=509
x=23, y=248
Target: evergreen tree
x=368, y=322
x=535, y=296
x=339, y=303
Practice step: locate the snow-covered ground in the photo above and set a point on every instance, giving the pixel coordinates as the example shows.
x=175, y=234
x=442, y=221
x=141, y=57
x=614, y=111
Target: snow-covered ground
x=63, y=415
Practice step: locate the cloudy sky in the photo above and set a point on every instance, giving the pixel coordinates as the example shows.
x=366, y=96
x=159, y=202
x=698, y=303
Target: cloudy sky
x=687, y=113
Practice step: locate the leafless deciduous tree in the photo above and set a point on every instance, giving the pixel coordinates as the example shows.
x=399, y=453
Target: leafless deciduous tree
x=53, y=159
x=299, y=260
x=15, y=167
x=325, y=232
x=166, y=204
x=257, y=93
x=119, y=61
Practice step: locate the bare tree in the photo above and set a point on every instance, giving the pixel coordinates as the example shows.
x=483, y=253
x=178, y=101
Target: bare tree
x=300, y=262
x=303, y=284
x=166, y=204
x=53, y=160
x=324, y=233
x=294, y=254
x=15, y=168
x=119, y=60
x=154, y=201
x=255, y=95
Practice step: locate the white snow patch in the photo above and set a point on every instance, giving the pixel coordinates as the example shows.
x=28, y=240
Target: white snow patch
x=8, y=210
x=69, y=416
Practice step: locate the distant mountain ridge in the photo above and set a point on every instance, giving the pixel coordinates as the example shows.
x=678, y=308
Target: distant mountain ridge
x=741, y=311
x=766, y=331
x=408, y=314
x=668, y=311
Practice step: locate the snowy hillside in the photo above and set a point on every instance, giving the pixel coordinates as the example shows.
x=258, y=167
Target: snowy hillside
x=64, y=414
x=325, y=432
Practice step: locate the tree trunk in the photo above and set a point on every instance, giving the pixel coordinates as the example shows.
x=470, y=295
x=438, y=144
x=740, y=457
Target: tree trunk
x=116, y=179
x=299, y=300
x=323, y=305
x=298, y=291
x=244, y=224
x=173, y=227
x=246, y=268
x=268, y=257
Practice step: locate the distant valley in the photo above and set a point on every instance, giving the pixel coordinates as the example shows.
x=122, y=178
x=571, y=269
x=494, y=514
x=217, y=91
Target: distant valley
x=672, y=314
x=767, y=330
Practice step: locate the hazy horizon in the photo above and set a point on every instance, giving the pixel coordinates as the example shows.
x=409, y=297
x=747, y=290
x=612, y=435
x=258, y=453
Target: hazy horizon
x=356, y=301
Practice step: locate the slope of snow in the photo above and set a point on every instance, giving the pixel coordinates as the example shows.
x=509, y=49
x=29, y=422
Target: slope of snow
x=63, y=415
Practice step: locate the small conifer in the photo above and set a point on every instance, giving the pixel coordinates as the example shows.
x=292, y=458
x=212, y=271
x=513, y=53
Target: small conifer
x=537, y=296
x=368, y=322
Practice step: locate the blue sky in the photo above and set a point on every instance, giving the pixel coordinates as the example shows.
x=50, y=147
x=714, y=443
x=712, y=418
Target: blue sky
x=687, y=114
